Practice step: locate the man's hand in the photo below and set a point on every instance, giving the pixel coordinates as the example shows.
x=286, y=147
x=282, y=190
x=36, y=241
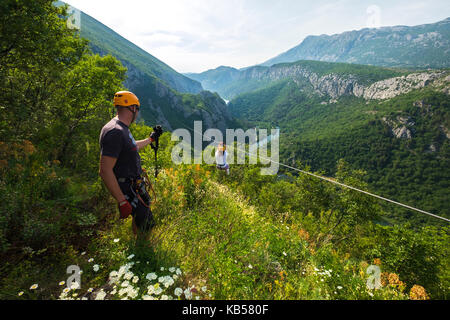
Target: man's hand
x=125, y=209
x=157, y=132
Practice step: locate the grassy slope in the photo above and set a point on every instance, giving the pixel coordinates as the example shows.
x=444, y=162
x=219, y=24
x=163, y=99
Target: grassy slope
x=225, y=247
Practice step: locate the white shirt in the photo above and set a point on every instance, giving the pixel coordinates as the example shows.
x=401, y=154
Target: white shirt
x=221, y=158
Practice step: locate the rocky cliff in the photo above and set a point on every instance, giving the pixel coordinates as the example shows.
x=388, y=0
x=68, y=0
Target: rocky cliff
x=339, y=83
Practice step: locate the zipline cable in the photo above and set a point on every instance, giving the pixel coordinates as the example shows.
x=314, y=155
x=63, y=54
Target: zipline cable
x=337, y=183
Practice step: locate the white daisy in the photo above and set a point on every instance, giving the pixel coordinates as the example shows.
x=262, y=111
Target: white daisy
x=178, y=292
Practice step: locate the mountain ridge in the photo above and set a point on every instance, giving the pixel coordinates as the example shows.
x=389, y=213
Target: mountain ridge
x=404, y=46
x=167, y=97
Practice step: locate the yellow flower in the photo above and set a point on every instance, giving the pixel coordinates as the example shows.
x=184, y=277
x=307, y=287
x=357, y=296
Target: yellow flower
x=393, y=279
x=303, y=234
x=418, y=293
x=377, y=261
x=61, y=283
x=20, y=293
x=34, y=286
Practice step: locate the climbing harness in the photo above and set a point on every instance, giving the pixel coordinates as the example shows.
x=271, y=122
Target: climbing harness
x=139, y=189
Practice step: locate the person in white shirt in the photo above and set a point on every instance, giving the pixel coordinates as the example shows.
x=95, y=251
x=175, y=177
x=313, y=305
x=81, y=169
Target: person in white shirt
x=221, y=158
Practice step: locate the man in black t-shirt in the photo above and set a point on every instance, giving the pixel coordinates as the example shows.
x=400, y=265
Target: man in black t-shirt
x=120, y=163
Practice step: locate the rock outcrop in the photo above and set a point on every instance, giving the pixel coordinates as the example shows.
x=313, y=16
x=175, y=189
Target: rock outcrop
x=336, y=85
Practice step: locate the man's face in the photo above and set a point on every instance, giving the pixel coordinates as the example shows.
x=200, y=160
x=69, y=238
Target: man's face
x=135, y=109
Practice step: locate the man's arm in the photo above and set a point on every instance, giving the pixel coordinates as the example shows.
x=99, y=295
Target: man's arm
x=143, y=143
x=107, y=174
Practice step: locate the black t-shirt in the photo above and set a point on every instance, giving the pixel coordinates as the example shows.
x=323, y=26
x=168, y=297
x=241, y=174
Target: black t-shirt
x=116, y=141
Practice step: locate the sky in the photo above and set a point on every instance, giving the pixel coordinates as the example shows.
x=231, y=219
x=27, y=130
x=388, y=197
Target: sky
x=197, y=35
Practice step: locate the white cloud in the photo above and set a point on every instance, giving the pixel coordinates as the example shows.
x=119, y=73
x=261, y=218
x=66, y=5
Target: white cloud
x=195, y=35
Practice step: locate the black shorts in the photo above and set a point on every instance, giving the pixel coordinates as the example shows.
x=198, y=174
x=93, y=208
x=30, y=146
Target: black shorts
x=142, y=214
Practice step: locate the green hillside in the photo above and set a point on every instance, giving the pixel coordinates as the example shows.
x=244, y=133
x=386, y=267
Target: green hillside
x=319, y=132
x=167, y=97
x=105, y=40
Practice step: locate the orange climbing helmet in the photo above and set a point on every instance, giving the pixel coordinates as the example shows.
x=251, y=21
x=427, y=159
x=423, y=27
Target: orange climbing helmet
x=125, y=99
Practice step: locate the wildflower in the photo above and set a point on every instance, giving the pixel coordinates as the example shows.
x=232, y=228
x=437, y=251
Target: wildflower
x=250, y=266
x=162, y=268
x=66, y=290
x=116, y=240
x=90, y=260
x=178, y=292
x=83, y=253
x=62, y=283
x=135, y=279
x=188, y=294
x=147, y=297
x=34, y=286
x=20, y=293
x=204, y=289
x=172, y=269
x=174, y=277
x=75, y=285
x=151, y=289
x=123, y=291
x=90, y=290
x=101, y=295
x=164, y=297
x=128, y=276
x=339, y=287
x=418, y=293
x=95, y=267
x=125, y=283
x=113, y=292
x=158, y=291
x=377, y=261
x=178, y=271
x=151, y=276
x=393, y=279
x=130, y=257
x=284, y=253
